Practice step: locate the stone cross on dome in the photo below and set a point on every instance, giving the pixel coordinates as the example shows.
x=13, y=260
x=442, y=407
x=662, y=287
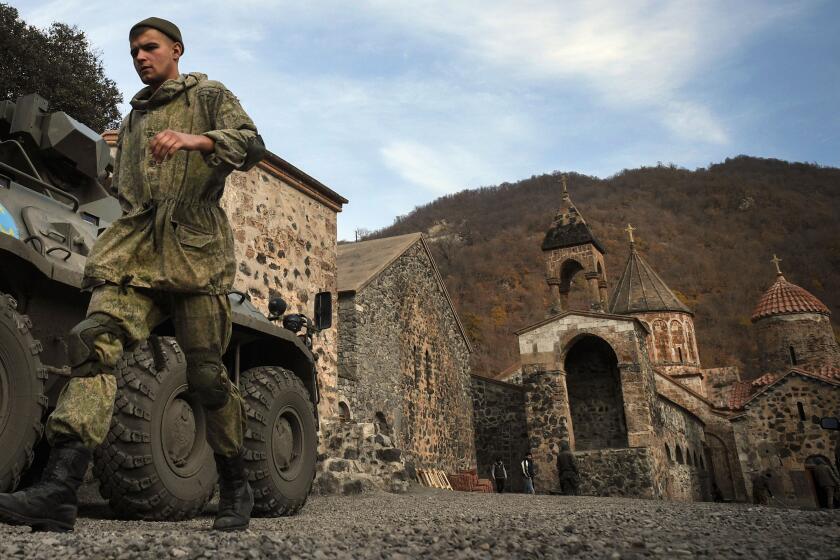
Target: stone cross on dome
x=630, y=229
x=565, y=187
x=776, y=260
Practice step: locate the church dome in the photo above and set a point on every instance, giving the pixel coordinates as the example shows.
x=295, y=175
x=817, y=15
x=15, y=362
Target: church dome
x=784, y=298
x=641, y=290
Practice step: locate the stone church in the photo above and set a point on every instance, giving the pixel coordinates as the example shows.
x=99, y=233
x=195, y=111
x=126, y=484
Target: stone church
x=624, y=384
x=404, y=357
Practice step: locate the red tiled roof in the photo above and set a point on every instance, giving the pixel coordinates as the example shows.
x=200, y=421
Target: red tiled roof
x=785, y=298
x=743, y=391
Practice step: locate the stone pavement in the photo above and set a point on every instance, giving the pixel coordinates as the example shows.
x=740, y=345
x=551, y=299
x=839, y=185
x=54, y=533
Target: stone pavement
x=440, y=524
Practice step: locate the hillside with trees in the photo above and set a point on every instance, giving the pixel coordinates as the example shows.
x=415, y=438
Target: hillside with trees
x=709, y=233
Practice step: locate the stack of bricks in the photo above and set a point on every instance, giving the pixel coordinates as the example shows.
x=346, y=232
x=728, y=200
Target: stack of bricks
x=468, y=481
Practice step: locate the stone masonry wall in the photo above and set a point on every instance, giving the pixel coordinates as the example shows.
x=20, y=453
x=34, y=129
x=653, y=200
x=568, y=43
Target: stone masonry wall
x=286, y=246
x=501, y=428
x=772, y=434
x=718, y=383
x=404, y=358
x=547, y=408
x=354, y=457
x=809, y=334
x=679, y=460
x=616, y=472
x=720, y=455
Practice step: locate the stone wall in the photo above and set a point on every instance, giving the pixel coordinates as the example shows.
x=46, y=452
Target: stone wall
x=616, y=472
x=405, y=363
x=720, y=455
x=286, y=246
x=718, y=383
x=354, y=457
x=501, y=428
x=682, y=471
x=809, y=335
x=547, y=409
x=773, y=433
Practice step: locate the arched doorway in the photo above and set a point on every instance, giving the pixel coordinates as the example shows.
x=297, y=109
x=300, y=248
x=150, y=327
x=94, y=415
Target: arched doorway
x=596, y=404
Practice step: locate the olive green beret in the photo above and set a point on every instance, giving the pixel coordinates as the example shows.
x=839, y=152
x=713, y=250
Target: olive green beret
x=166, y=27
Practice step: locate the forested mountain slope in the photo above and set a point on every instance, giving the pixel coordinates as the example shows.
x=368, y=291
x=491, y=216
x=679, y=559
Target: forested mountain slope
x=709, y=233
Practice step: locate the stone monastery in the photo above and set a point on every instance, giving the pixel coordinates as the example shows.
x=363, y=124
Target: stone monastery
x=622, y=382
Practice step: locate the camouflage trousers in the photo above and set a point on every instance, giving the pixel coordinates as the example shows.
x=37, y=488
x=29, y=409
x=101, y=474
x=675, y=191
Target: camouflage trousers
x=202, y=327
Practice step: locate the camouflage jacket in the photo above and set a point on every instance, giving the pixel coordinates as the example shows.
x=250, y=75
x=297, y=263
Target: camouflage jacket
x=173, y=235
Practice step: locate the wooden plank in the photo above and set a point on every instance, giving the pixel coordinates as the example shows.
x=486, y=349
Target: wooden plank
x=446, y=480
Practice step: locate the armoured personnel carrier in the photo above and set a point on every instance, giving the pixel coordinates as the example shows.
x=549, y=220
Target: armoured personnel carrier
x=155, y=463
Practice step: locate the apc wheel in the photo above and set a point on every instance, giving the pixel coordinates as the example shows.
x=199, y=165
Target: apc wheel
x=280, y=440
x=22, y=400
x=155, y=463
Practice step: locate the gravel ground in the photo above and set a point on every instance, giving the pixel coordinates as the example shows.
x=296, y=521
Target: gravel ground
x=439, y=524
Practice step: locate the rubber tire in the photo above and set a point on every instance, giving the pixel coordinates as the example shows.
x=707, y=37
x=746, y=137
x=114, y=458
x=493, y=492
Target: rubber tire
x=268, y=390
x=24, y=398
x=131, y=465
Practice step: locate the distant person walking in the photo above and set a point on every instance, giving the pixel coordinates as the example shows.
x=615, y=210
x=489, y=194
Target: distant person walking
x=567, y=470
x=761, y=488
x=827, y=483
x=528, y=473
x=499, y=475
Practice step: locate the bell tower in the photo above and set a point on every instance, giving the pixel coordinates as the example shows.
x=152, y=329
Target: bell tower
x=570, y=247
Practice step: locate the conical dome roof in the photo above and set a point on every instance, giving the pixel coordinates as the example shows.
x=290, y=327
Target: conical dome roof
x=784, y=298
x=641, y=290
x=569, y=229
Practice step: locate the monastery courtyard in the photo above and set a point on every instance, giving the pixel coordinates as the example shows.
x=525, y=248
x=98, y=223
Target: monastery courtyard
x=441, y=524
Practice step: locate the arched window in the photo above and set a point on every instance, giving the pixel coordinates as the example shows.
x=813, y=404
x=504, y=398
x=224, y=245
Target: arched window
x=801, y=410
x=668, y=453
x=792, y=355
x=680, y=459
x=661, y=341
x=677, y=338
x=343, y=412
x=679, y=352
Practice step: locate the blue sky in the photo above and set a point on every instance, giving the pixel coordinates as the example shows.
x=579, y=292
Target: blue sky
x=393, y=104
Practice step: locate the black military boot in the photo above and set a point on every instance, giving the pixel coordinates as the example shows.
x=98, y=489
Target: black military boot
x=52, y=504
x=236, y=499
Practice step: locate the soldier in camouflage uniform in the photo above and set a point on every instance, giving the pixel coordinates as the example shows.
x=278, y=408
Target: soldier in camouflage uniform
x=169, y=255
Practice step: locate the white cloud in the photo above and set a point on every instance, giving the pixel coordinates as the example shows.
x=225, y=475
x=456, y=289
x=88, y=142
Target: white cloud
x=690, y=121
x=630, y=53
x=444, y=169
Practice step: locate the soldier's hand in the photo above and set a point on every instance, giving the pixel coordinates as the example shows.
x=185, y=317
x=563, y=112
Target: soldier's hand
x=166, y=143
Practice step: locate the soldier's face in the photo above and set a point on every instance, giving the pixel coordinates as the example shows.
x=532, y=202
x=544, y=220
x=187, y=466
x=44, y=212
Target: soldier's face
x=155, y=57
